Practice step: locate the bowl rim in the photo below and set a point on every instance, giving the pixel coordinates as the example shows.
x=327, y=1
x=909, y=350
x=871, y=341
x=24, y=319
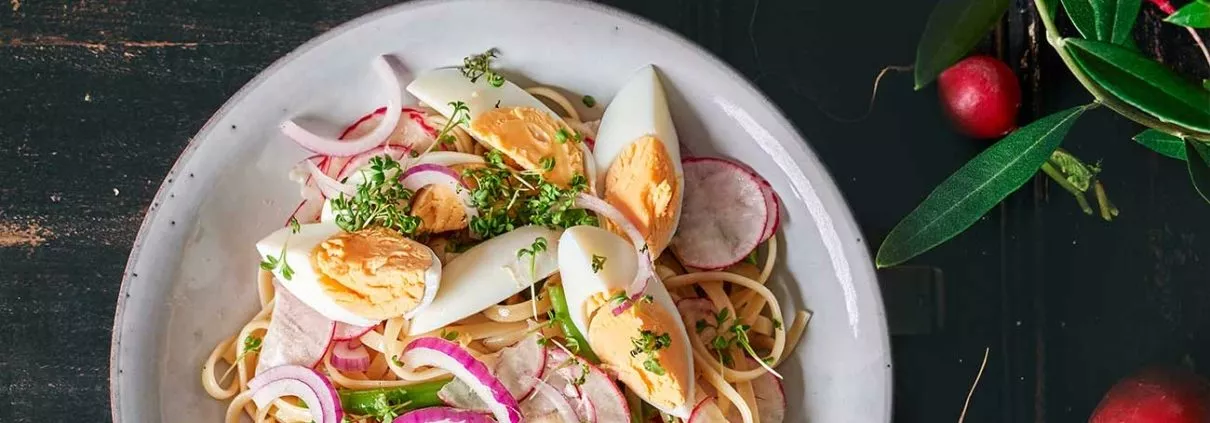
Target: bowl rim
x=829, y=188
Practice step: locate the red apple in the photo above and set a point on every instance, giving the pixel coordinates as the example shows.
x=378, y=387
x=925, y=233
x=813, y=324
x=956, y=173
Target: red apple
x=1156, y=395
x=981, y=95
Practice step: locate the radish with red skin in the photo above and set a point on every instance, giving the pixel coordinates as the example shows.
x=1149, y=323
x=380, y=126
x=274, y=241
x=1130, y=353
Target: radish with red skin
x=608, y=403
x=346, y=332
x=723, y=216
x=297, y=334
x=981, y=95
x=1156, y=395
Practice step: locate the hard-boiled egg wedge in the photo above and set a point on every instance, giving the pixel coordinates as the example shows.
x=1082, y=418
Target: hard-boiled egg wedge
x=646, y=345
x=507, y=119
x=489, y=273
x=359, y=278
x=638, y=158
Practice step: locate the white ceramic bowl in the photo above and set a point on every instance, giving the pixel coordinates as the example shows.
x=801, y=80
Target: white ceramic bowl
x=190, y=278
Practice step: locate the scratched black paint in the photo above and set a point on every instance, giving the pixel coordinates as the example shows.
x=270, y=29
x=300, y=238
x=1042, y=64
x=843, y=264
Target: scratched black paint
x=97, y=98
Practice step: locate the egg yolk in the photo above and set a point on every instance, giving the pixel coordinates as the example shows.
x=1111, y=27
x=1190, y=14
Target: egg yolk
x=375, y=273
x=534, y=139
x=439, y=208
x=641, y=183
x=614, y=337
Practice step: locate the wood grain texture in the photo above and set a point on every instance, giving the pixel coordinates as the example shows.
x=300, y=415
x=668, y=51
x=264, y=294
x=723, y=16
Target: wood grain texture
x=97, y=98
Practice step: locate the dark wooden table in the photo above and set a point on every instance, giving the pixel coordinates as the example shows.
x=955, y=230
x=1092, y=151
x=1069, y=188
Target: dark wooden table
x=97, y=98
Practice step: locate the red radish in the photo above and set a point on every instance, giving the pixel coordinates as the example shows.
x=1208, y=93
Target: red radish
x=770, y=397
x=308, y=210
x=723, y=215
x=981, y=96
x=598, y=389
x=345, y=331
x=706, y=411
x=297, y=334
x=546, y=400
x=1156, y=395
x=772, y=203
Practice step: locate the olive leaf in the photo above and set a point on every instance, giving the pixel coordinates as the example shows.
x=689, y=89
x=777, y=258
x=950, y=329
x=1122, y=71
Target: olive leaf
x=1082, y=16
x=1142, y=83
x=1193, y=15
x=975, y=188
x=1162, y=143
x=953, y=29
x=1104, y=20
x=1199, y=171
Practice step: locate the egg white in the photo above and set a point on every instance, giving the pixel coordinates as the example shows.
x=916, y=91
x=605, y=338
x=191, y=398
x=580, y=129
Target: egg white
x=576, y=248
x=440, y=87
x=639, y=109
x=487, y=274
x=304, y=284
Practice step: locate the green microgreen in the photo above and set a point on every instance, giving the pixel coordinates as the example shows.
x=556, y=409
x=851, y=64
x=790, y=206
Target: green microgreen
x=380, y=200
x=588, y=101
x=478, y=66
x=649, y=343
x=507, y=199
x=598, y=263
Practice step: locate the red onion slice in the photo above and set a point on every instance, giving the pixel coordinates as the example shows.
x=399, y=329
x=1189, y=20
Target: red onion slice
x=422, y=175
x=646, y=270
x=437, y=352
x=442, y=415
x=296, y=381
x=335, y=147
x=350, y=356
x=330, y=187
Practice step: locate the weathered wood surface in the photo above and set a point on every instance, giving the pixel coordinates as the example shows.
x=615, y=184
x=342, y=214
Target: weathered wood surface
x=97, y=98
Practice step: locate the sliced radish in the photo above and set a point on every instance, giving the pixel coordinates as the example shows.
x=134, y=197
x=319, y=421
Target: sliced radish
x=723, y=216
x=772, y=203
x=770, y=397
x=413, y=130
x=297, y=334
x=350, y=356
x=442, y=415
x=773, y=206
x=420, y=176
x=437, y=352
x=696, y=309
x=308, y=211
x=519, y=368
x=706, y=411
x=607, y=401
x=345, y=331
x=546, y=400
x=351, y=147
x=329, y=186
x=357, y=162
x=323, y=402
